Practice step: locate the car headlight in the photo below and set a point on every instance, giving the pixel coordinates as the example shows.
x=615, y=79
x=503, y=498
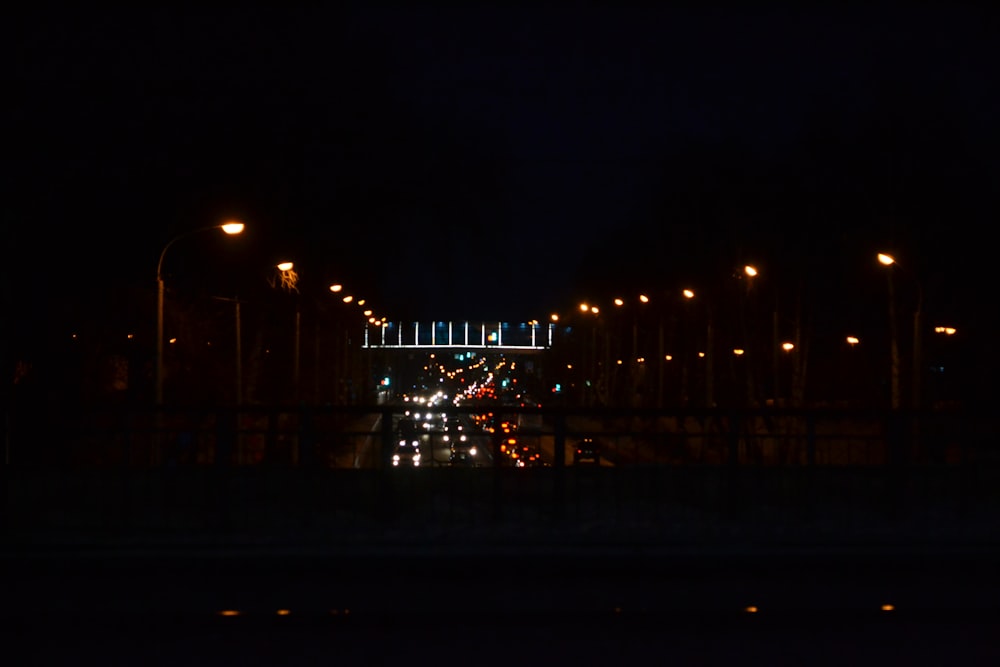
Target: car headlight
x=472, y=451
x=446, y=438
x=395, y=459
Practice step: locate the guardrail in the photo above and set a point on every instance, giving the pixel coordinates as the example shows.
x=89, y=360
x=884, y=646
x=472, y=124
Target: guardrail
x=362, y=436
x=321, y=473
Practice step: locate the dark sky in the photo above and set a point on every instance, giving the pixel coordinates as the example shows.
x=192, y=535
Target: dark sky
x=490, y=162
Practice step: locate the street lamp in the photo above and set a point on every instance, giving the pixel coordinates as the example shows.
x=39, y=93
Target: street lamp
x=890, y=261
x=230, y=228
x=707, y=354
x=289, y=281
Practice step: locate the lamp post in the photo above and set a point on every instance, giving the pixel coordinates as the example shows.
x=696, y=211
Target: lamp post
x=239, y=347
x=634, y=368
x=596, y=368
x=230, y=228
x=289, y=281
x=750, y=272
x=706, y=354
x=890, y=261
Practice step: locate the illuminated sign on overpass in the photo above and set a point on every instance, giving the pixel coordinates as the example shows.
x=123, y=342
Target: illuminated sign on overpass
x=501, y=336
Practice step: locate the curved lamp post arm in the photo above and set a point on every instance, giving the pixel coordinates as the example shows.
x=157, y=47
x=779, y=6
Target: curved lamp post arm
x=228, y=228
x=163, y=253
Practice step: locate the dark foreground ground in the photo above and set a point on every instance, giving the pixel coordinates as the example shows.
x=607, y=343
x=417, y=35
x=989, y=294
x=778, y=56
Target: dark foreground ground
x=409, y=605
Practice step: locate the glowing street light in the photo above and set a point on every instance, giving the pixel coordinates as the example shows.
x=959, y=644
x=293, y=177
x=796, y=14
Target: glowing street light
x=231, y=228
x=750, y=271
x=688, y=294
x=852, y=340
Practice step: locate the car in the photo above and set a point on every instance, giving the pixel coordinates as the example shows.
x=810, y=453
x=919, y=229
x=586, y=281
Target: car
x=530, y=459
x=521, y=454
x=432, y=421
x=463, y=452
x=454, y=433
x=587, y=452
x=407, y=450
x=406, y=454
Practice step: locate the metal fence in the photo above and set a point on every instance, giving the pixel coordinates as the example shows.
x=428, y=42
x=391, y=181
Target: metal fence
x=323, y=473
x=359, y=437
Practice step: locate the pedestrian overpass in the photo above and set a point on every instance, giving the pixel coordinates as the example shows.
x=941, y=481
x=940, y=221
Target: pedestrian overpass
x=495, y=336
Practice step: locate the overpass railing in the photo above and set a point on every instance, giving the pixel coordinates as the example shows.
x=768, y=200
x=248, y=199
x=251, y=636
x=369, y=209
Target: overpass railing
x=322, y=474
x=361, y=436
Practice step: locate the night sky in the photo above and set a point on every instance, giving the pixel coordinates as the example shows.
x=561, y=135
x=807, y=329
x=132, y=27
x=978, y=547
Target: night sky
x=493, y=163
